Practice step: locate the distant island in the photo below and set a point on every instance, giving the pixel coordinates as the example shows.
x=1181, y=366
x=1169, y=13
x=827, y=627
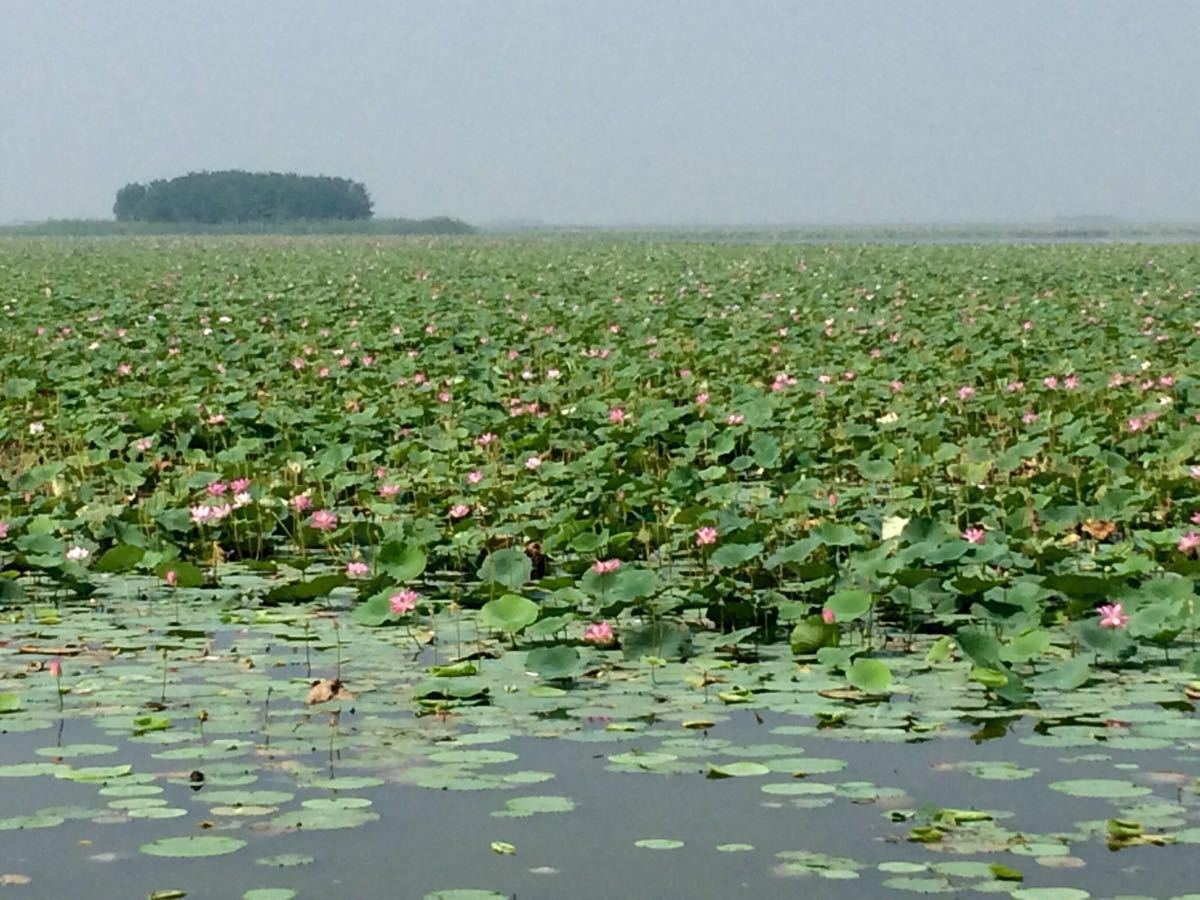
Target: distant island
x=238, y=202
x=234, y=196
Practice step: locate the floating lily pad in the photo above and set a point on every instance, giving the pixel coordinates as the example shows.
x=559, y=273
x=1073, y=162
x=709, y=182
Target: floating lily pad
x=193, y=846
x=1106, y=788
x=519, y=807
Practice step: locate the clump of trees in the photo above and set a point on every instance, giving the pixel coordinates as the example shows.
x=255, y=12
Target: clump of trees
x=235, y=196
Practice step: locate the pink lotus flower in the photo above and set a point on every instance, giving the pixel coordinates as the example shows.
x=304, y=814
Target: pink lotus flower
x=301, y=502
x=599, y=633
x=475, y=476
x=403, y=602
x=124, y=369
x=1195, y=520
x=605, y=566
x=216, y=419
x=298, y=363
x=485, y=439
x=459, y=511
x=3, y=530
x=1029, y=417
x=324, y=520
x=54, y=667
x=1112, y=616
x=357, y=569
x=616, y=415
x=734, y=419
x=144, y=443
x=78, y=554
x=706, y=536
x=201, y=513
x=827, y=616
x=1051, y=382
x=974, y=535
x=1071, y=382
x=1015, y=387
x=533, y=463
x=216, y=488
x=389, y=490
x=1194, y=472
x=702, y=398
x=896, y=386
x=966, y=392
x=171, y=578
x=1189, y=542
x=239, y=485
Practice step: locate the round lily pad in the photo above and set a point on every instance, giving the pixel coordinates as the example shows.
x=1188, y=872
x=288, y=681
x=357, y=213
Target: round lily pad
x=1106, y=788
x=193, y=846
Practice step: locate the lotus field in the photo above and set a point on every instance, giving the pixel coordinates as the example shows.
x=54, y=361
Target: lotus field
x=560, y=569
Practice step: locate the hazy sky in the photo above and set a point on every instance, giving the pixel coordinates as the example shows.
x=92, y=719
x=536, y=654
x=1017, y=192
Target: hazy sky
x=648, y=111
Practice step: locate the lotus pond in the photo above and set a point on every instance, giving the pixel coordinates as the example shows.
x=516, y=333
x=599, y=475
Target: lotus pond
x=539, y=569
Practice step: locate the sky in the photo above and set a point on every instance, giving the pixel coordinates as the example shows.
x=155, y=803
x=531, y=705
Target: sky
x=608, y=112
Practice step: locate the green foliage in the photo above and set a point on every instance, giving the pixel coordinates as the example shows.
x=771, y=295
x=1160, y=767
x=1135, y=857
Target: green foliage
x=236, y=196
x=509, y=613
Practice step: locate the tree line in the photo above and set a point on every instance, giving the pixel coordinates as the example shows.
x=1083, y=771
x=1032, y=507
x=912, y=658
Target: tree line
x=236, y=196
